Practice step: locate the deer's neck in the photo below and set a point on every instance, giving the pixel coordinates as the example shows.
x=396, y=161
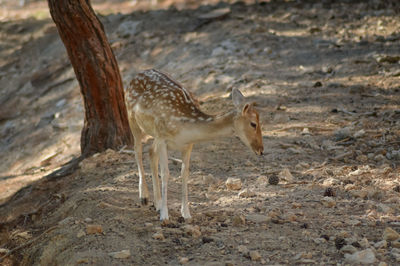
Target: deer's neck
x=220, y=126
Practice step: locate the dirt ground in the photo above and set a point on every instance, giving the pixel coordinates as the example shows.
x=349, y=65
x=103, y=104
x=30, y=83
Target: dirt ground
x=325, y=77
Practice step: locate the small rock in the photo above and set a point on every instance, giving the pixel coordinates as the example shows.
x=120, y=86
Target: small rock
x=216, y=13
x=233, y=183
x=296, y=205
x=183, y=260
x=243, y=249
x=396, y=243
x=331, y=182
x=148, y=225
x=328, y=202
x=262, y=180
x=348, y=249
x=246, y=193
x=4, y=250
x=389, y=234
x=366, y=256
x=380, y=244
x=362, y=158
x=94, y=229
x=353, y=222
x=238, y=220
x=66, y=221
x=384, y=208
x=193, y=231
x=123, y=254
x=127, y=28
x=364, y=243
x=273, y=180
x=208, y=179
x=379, y=158
x=319, y=240
x=254, y=255
x=286, y=175
x=258, y=218
x=88, y=220
x=342, y=133
x=158, y=236
x=207, y=239
x=363, y=194
x=391, y=59
x=80, y=233
x=305, y=132
x=359, y=134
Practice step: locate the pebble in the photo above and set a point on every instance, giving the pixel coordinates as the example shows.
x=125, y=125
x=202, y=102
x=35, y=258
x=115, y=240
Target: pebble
x=366, y=256
x=254, y=255
x=127, y=28
x=342, y=133
x=258, y=218
x=246, y=193
x=158, y=236
x=243, y=249
x=389, y=234
x=208, y=179
x=123, y=254
x=148, y=225
x=319, y=240
x=330, y=181
x=379, y=158
x=359, y=134
x=262, y=180
x=395, y=253
x=80, y=233
x=286, y=175
x=66, y=221
x=328, y=202
x=183, y=260
x=193, y=231
x=380, y=244
x=94, y=229
x=233, y=183
x=396, y=243
x=88, y=220
x=4, y=250
x=238, y=220
x=305, y=132
x=348, y=249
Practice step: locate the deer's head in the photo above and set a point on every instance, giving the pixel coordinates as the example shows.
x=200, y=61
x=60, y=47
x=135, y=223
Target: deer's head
x=247, y=124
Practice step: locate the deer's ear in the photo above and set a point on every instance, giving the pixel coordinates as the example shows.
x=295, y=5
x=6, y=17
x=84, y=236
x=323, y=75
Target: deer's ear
x=246, y=108
x=237, y=98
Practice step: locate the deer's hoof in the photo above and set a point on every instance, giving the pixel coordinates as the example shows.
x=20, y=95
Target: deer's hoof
x=144, y=201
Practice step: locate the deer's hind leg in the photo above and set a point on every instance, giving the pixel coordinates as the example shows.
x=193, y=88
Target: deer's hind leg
x=154, y=159
x=138, y=136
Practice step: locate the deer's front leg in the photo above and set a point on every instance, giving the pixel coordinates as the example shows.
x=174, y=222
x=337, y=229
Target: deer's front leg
x=162, y=149
x=154, y=159
x=185, y=174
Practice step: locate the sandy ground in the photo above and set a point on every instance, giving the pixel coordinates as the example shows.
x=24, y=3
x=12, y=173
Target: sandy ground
x=325, y=77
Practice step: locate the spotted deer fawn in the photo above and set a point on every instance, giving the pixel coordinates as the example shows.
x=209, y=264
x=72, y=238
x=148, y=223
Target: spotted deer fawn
x=162, y=108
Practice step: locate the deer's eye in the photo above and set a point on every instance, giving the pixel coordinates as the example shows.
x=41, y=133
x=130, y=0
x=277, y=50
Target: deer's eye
x=253, y=125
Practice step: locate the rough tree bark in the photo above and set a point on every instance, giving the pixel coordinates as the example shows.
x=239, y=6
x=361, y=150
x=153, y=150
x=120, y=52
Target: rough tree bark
x=106, y=120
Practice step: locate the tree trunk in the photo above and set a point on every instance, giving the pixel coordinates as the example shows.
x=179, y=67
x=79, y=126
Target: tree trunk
x=106, y=119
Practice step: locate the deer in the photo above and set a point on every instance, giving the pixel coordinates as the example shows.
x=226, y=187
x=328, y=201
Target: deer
x=162, y=108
